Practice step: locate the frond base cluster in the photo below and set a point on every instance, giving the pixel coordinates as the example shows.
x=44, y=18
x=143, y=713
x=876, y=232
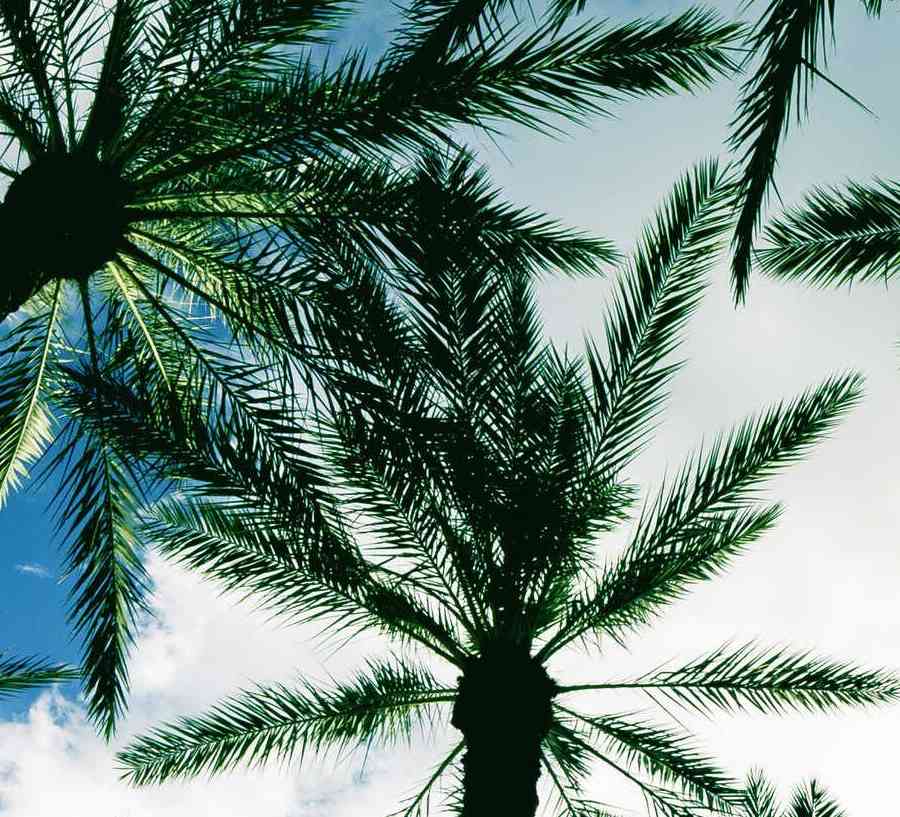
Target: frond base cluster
x=64, y=216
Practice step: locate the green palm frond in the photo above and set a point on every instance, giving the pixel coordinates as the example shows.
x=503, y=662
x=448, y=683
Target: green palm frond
x=662, y=754
x=771, y=680
x=570, y=75
x=811, y=800
x=807, y=800
x=837, y=236
x=569, y=801
x=658, y=800
x=24, y=416
x=873, y=7
x=581, y=72
x=631, y=592
x=760, y=799
x=387, y=702
x=775, y=680
x=693, y=529
x=418, y=805
x=98, y=503
x=653, y=301
x=792, y=38
x=17, y=674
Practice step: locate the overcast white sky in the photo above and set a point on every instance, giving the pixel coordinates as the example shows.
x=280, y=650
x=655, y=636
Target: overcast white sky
x=826, y=578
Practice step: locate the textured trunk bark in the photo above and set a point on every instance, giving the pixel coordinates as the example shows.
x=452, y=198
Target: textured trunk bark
x=503, y=708
x=19, y=279
x=500, y=775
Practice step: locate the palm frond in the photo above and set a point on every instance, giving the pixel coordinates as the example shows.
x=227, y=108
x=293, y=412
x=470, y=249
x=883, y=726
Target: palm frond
x=659, y=800
x=652, y=303
x=570, y=802
x=837, y=236
x=386, y=702
x=418, y=804
x=25, y=421
x=578, y=73
x=691, y=531
x=559, y=11
x=665, y=755
x=435, y=29
x=770, y=680
x=759, y=796
x=354, y=108
x=792, y=38
x=252, y=553
x=811, y=800
x=97, y=506
x=17, y=674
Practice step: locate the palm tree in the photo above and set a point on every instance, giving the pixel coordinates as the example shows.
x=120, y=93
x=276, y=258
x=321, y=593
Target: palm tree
x=182, y=176
x=17, y=674
x=463, y=523
x=807, y=800
x=839, y=234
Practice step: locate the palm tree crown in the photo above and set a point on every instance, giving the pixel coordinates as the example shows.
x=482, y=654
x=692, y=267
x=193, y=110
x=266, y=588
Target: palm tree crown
x=464, y=520
x=183, y=176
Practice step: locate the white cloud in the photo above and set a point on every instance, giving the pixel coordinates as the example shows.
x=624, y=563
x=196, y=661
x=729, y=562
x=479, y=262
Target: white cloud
x=34, y=569
x=201, y=648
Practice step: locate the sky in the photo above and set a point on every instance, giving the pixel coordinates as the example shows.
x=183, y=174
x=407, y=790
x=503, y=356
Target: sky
x=825, y=578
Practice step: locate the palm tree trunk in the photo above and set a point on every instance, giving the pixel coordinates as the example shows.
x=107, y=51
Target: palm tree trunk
x=18, y=281
x=500, y=775
x=503, y=708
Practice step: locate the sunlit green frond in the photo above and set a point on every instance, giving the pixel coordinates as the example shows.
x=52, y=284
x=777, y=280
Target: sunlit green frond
x=198, y=50
x=653, y=300
x=667, y=756
x=385, y=703
x=769, y=680
x=837, y=236
x=17, y=674
x=792, y=38
x=25, y=420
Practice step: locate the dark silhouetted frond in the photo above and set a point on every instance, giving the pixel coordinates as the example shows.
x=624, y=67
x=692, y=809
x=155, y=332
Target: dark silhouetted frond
x=791, y=38
x=837, y=236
